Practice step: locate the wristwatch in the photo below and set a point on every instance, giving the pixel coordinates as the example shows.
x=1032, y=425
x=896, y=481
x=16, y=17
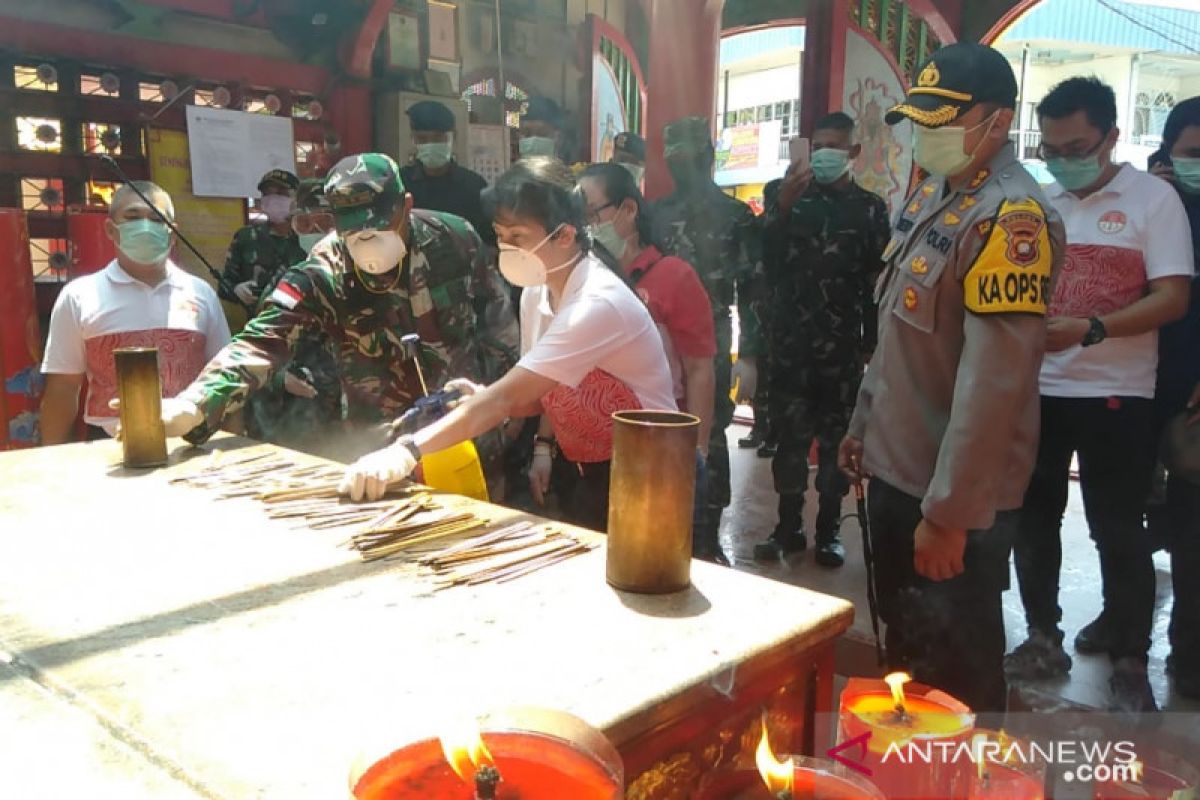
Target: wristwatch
x=1096, y=334
x=410, y=444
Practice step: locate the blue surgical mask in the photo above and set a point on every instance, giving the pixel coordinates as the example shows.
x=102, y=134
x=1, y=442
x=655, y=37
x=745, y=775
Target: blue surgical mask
x=434, y=155
x=1075, y=173
x=144, y=241
x=1187, y=174
x=536, y=146
x=829, y=164
x=309, y=240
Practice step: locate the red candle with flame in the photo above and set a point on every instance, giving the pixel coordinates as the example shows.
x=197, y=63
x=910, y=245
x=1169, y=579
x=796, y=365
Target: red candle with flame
x=794, y=778
x=1165, y=777
x=899, y=724
x=531, y=765
x=1005, y=768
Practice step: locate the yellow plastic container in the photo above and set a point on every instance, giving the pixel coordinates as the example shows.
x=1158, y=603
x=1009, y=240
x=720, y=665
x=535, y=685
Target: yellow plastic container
x=456, y=470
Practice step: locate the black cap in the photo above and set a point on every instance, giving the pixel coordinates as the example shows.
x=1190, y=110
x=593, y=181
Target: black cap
x=280, y=177
x=430, y=115
x=632, y=144
x=543, y=109
x=954, y=80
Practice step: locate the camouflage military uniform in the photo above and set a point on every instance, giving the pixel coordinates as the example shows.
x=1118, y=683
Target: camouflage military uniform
x=822, y=323
x=256, y=254
x=445, y=291
x=719, y=236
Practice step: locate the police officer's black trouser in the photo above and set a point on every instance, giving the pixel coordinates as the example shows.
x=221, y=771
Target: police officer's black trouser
x=948, y=634
x=1114, y=441
x=811, y=401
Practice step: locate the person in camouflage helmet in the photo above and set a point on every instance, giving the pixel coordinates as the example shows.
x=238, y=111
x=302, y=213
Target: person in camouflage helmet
x=719, y=236
x=305, y=397
x=826, y=236
x=388, y=271
x=261, y=250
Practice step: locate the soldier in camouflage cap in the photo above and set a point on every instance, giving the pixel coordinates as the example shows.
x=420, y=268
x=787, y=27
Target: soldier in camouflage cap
x=262, y=250
x=720, y=237
x=389, y=271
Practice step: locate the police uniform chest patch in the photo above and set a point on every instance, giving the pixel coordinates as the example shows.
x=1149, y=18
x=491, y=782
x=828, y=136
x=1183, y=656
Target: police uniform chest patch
x=910, y=298
x=1012, y=271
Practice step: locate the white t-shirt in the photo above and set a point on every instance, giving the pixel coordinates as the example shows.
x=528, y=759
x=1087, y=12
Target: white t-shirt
x=1131, y=232
x=600, y=324
x=97, y=313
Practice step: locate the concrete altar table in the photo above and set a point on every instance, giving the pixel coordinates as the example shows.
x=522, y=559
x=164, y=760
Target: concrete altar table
x=156, y=642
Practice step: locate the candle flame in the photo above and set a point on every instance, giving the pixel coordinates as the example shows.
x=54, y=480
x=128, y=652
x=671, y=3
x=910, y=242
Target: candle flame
x=776, y=775
x=896, y=682
x=1137, y=770
x=464, y=750
x=978, y=741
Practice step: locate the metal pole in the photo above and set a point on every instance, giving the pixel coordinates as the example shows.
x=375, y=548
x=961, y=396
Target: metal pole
x=502, y=89
x=1022, y=124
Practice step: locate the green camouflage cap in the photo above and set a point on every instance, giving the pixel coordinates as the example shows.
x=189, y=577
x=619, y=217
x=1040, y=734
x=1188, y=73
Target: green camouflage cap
x=687, y=135
x=364, y=191
x=311, y=195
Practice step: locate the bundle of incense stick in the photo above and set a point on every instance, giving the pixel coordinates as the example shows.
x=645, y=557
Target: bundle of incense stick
x=503, y=555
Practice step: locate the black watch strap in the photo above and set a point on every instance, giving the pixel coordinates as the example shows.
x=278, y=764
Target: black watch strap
x=1096, y=334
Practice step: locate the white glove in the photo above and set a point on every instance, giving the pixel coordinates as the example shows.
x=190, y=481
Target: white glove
x=245, y=292
x=179, y=416
x=539, y=472
x=370, y=476
x=295, y=385
x=745, y=377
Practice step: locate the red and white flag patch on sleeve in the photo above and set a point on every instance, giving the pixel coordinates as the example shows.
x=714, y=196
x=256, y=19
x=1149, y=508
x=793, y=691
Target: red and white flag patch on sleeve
x=286, y=295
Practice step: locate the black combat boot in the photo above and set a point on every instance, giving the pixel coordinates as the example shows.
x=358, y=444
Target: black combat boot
x=788, y=536
x=830, y=551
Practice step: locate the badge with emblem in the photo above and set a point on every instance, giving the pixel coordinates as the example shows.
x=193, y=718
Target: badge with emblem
x=1112, y=222
x=910, y=298
x=1021, y=229
x=914, y=206
x=951, y=219
x=920, y=265
x=929, y=76
x=984, y=227
x=928, y=189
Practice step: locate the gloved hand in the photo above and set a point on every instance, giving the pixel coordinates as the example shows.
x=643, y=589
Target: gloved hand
x=745, y=377
x=246, y=292
x=369, y=477
x=539, y=472
x=295, y=385
x=179, y=416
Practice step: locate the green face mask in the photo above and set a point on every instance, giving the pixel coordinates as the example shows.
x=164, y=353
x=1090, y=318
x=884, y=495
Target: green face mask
x=606, y=234
x=942, y=151
x=145, y=241
x=1075, y=173
x=1187, y=174
x=434, y=155
x=309, y=240
x=829, y=165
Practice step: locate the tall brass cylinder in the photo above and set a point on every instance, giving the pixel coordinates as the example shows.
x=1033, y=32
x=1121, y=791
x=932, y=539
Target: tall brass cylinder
x=140, y=391
x=650, y=499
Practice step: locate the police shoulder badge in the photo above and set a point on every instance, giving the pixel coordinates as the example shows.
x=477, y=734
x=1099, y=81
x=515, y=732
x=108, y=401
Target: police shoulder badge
x=1012, y=270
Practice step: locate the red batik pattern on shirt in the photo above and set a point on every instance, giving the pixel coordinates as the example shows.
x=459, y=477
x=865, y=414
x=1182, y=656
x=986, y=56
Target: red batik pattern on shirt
x=1097, y=280
x=582, y=417
x=180, y=359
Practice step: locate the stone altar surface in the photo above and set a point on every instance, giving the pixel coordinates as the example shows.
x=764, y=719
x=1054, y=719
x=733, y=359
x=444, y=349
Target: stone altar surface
x=192, y=647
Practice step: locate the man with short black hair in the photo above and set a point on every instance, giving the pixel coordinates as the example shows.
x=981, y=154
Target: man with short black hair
x=434, y=178
x=629, y=150
x=820, y=329
x=1128, y=269
x=141, y=299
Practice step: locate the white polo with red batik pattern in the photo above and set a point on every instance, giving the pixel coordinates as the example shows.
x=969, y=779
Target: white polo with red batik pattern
x=1131, y=232
x=98, y=313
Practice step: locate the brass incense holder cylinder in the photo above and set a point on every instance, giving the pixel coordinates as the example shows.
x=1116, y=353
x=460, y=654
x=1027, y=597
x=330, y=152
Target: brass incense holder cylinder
x=650, y=500
x=139, y=389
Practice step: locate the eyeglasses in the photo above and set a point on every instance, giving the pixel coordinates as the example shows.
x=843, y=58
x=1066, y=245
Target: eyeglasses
x=1045, y=153
x=319, y=222
x=593, y=214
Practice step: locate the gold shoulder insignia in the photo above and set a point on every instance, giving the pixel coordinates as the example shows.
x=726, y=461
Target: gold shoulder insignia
x=967, y=202
x=1012, y=271
x=951, y=218
x=984, y=227
x=914, y=206
x=928, y=189
x=920, y=265
x=979, y=178
x=910, y=298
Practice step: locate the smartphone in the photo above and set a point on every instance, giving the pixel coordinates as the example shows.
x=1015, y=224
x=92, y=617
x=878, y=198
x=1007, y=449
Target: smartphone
x=798, y=151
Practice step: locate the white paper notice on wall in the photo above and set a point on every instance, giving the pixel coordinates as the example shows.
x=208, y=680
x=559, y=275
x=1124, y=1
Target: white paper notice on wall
x=232, y=150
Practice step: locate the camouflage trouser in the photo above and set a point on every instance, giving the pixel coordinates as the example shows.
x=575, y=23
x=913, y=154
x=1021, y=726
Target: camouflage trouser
x=811, y=401
x=718, y=447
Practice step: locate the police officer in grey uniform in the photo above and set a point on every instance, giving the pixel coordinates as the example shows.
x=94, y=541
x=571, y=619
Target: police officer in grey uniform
x=946, y=423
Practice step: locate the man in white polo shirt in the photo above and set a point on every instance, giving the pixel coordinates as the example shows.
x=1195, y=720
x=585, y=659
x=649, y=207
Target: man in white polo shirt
x=141, y=299
x=1127, y=273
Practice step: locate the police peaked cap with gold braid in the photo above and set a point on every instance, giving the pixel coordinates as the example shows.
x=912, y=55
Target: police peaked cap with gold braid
x=957, y=78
